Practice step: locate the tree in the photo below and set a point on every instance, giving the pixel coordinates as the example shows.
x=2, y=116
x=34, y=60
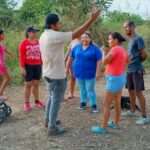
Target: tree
x=117, y=16
x=73, y=11
x=33, y=10
x=6, y=12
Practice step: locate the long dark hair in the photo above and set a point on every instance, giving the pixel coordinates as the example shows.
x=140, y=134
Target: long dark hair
x=118, y=36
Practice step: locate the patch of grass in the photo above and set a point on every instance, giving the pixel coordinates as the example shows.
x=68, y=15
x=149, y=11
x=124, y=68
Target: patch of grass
x=147, y=63
x=13, y=38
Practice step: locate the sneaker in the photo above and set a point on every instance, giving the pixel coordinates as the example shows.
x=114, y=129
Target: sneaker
x=98, y=130
x=39, y=104
x=143, y=121
x=128, y=114
x=94, y=109
x=82, y=106
x=112, y=125
x=27, y=107
x=56, y=131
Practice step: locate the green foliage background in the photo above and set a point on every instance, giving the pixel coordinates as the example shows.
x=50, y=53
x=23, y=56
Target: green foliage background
x=73, y=13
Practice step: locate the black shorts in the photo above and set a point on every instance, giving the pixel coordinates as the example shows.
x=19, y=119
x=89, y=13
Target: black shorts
x=135, y=81
x=33, y=72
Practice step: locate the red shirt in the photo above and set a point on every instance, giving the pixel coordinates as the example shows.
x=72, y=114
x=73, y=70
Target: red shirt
x=118, y=62
x=29, y=53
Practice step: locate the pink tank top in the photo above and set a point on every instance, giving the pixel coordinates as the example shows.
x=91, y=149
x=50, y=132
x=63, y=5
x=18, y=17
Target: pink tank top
x=2, y=54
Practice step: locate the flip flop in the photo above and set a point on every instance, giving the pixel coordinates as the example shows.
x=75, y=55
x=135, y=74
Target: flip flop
x=70, y=97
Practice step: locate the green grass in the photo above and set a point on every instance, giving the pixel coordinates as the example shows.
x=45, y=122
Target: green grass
x=13, y=38
x=147, y=63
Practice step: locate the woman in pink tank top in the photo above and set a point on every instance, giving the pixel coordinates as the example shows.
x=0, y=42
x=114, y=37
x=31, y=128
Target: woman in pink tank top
x=3, y=69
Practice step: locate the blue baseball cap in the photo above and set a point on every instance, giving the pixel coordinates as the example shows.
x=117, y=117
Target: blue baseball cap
x=32, y=29
x=51, y=19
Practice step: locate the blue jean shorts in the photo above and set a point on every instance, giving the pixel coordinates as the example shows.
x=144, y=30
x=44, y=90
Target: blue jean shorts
x=115, y=84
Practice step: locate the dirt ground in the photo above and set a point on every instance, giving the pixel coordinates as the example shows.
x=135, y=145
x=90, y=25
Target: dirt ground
x=25, y=131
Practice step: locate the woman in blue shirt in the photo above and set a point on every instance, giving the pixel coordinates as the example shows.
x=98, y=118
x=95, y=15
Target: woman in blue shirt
x=85, y=59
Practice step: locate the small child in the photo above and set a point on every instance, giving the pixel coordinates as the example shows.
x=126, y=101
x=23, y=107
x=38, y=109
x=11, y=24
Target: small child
x=3, y=68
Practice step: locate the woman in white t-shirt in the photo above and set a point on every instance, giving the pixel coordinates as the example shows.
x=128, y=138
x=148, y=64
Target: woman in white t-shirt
x=72, y=80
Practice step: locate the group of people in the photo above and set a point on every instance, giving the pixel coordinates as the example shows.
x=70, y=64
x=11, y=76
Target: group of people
x=83, y=62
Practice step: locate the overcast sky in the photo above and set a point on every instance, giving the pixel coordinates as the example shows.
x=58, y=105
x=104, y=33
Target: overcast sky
x=140, y=7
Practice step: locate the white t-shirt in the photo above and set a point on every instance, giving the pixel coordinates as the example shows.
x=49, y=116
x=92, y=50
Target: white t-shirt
x=52, y=51
x=74, y=43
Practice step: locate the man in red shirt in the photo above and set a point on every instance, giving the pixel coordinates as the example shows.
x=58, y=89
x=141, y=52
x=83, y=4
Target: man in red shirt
x=31, y=67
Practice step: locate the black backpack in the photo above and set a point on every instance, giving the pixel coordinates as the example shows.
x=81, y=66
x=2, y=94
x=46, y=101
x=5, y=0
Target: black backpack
x=5, y=111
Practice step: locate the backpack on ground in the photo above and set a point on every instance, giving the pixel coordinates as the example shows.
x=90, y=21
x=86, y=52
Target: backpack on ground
x=5, y=111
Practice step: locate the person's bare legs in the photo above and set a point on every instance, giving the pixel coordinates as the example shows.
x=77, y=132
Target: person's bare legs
x=72, y=83
x=106, y=108
x=142, y=102
x=5, y=80
x=28, y=86
x=35, y=92
x=35, y=89
x=117, y=99
x=132, y=95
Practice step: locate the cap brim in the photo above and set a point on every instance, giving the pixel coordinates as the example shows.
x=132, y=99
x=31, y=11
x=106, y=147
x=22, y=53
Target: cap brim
x=36, y=30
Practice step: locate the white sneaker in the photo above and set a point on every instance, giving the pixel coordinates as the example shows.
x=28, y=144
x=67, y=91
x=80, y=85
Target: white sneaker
x=143, y=121
x=94, y=111
x=128, y=114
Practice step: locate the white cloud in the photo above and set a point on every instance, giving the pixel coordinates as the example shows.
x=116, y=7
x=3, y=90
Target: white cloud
x=140, y=7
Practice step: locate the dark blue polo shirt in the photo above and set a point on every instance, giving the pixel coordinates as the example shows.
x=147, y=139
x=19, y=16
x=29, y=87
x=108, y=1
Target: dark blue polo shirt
x=135, y=45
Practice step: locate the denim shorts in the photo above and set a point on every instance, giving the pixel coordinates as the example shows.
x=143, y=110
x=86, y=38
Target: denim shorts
x=115, y=84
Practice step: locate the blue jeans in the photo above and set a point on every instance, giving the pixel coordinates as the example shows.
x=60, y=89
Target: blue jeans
x=87, y=91
x=56, y=89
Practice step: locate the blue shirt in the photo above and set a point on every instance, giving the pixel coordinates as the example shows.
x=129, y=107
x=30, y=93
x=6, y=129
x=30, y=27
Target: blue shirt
x=135, y=45
x=85, y=61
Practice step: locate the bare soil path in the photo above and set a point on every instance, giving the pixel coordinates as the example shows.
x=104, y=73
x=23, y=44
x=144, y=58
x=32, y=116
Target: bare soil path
x=25, y=131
